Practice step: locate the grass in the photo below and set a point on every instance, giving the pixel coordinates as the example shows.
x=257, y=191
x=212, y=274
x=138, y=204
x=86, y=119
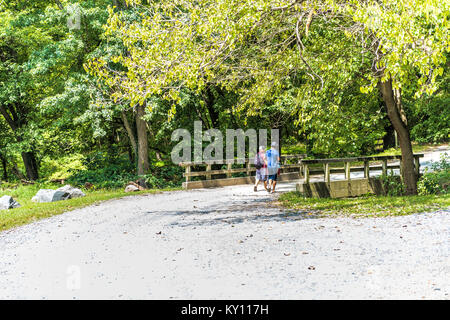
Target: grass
x=368, y=206
x=30, y=211
x=417, y=148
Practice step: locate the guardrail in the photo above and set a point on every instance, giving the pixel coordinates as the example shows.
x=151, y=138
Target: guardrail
x=327, y=170
x=293, y=167
x=289, y=163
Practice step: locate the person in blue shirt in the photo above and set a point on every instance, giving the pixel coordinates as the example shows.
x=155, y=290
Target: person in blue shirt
x=273, y=165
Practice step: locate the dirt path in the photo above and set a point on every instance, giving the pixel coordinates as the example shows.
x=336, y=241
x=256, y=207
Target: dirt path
x=221, y=244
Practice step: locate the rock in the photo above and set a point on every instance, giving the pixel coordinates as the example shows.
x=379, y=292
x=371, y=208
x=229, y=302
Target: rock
x=74, y=192
x=131, y=188
x=48, y=195
x=64, y=193
x=7, y=202
x=141, y=188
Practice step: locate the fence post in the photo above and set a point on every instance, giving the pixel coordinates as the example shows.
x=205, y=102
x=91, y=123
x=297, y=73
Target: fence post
x=366, y=169
x=208, y=168
x=384, y=170
x=305, y=166
x=347, y=170
x=327, y=173
x=187, y=171
x=417, y=165
x=301, y=167
x=229, y=167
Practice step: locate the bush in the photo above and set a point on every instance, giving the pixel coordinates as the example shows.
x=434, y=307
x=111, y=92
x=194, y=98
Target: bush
x=436, y=181
x=393, y=185
x=165, y=177
x=63, y=167
x=111, y=177
x=118, y=174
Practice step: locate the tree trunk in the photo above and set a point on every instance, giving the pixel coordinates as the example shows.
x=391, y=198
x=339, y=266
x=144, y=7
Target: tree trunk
x=143, y=161
x=389, y=138
x=209, y=100
x=130, y=132
x=15, y=170
x=15, y=123
x=29, y=160
x=392, y=99
x=59, y=4
x=5, y=168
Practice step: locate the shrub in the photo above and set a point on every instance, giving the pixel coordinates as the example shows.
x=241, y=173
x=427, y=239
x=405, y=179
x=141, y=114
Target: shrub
x=110, y=177
x=165, y=177
x=117, y=175
x=62, y=168
x=392, y=184
x=437, y=180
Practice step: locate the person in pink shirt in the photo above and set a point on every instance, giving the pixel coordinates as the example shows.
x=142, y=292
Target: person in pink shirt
x=261, y=168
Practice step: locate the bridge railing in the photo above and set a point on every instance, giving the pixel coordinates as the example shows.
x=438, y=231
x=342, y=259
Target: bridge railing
x=289, y=162
x=293, y=166
x=308, y=168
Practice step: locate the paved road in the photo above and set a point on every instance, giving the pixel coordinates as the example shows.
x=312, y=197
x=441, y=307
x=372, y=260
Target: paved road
x=221, y=244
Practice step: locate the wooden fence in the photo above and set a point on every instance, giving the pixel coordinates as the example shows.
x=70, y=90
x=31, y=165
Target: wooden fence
x=291, y=168
x=366, y=167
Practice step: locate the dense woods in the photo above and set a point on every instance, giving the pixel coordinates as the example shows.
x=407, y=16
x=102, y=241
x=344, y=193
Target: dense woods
x=90, y=91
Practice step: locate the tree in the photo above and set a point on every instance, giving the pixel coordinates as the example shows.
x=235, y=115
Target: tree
x=255, y=47
x=17, y=89
x=44, y=91
x=409, y=41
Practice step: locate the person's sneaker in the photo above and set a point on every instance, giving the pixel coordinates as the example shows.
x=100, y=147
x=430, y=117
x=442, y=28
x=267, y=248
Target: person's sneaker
x=255, y=189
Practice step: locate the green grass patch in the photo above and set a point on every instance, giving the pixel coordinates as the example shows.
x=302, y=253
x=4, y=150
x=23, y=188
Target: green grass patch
x=30, y=211
x=368, y=206
x=417, y=148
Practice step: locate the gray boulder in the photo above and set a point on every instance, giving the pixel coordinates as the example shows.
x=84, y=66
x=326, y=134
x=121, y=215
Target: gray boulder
x=131, y=188
x=48, y=195
x=74, y=192
x=7, y=202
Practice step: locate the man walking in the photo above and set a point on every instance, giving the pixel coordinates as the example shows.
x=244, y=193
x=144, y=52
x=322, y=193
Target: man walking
x=273, y=165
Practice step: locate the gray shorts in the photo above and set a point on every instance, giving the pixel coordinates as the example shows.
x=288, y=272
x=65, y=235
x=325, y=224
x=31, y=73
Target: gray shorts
x=260, y=175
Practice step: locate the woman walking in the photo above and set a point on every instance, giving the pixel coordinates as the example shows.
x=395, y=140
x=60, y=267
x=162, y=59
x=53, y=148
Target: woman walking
x=261, y=168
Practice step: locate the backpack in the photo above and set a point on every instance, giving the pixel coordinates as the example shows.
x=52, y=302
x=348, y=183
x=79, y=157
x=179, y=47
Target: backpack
x=258, y=163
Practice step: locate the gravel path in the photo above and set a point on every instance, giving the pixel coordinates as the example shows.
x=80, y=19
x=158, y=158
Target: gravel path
x=227, y=243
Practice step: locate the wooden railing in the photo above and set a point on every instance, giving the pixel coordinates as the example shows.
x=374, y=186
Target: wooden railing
x=327, y=169
x=292, y=167
x=288, y=162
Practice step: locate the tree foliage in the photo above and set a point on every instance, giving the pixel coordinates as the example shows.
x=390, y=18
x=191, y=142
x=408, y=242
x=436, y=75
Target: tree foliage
x=117, y=85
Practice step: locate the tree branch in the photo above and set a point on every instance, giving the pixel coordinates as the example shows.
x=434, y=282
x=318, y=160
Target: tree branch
x=300, y=49
x=59, y=4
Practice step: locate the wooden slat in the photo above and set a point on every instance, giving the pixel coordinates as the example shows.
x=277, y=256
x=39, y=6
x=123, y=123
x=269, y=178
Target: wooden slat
x=311, y=170
x=239, y=160
x=236, y=170
x=357, y=159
